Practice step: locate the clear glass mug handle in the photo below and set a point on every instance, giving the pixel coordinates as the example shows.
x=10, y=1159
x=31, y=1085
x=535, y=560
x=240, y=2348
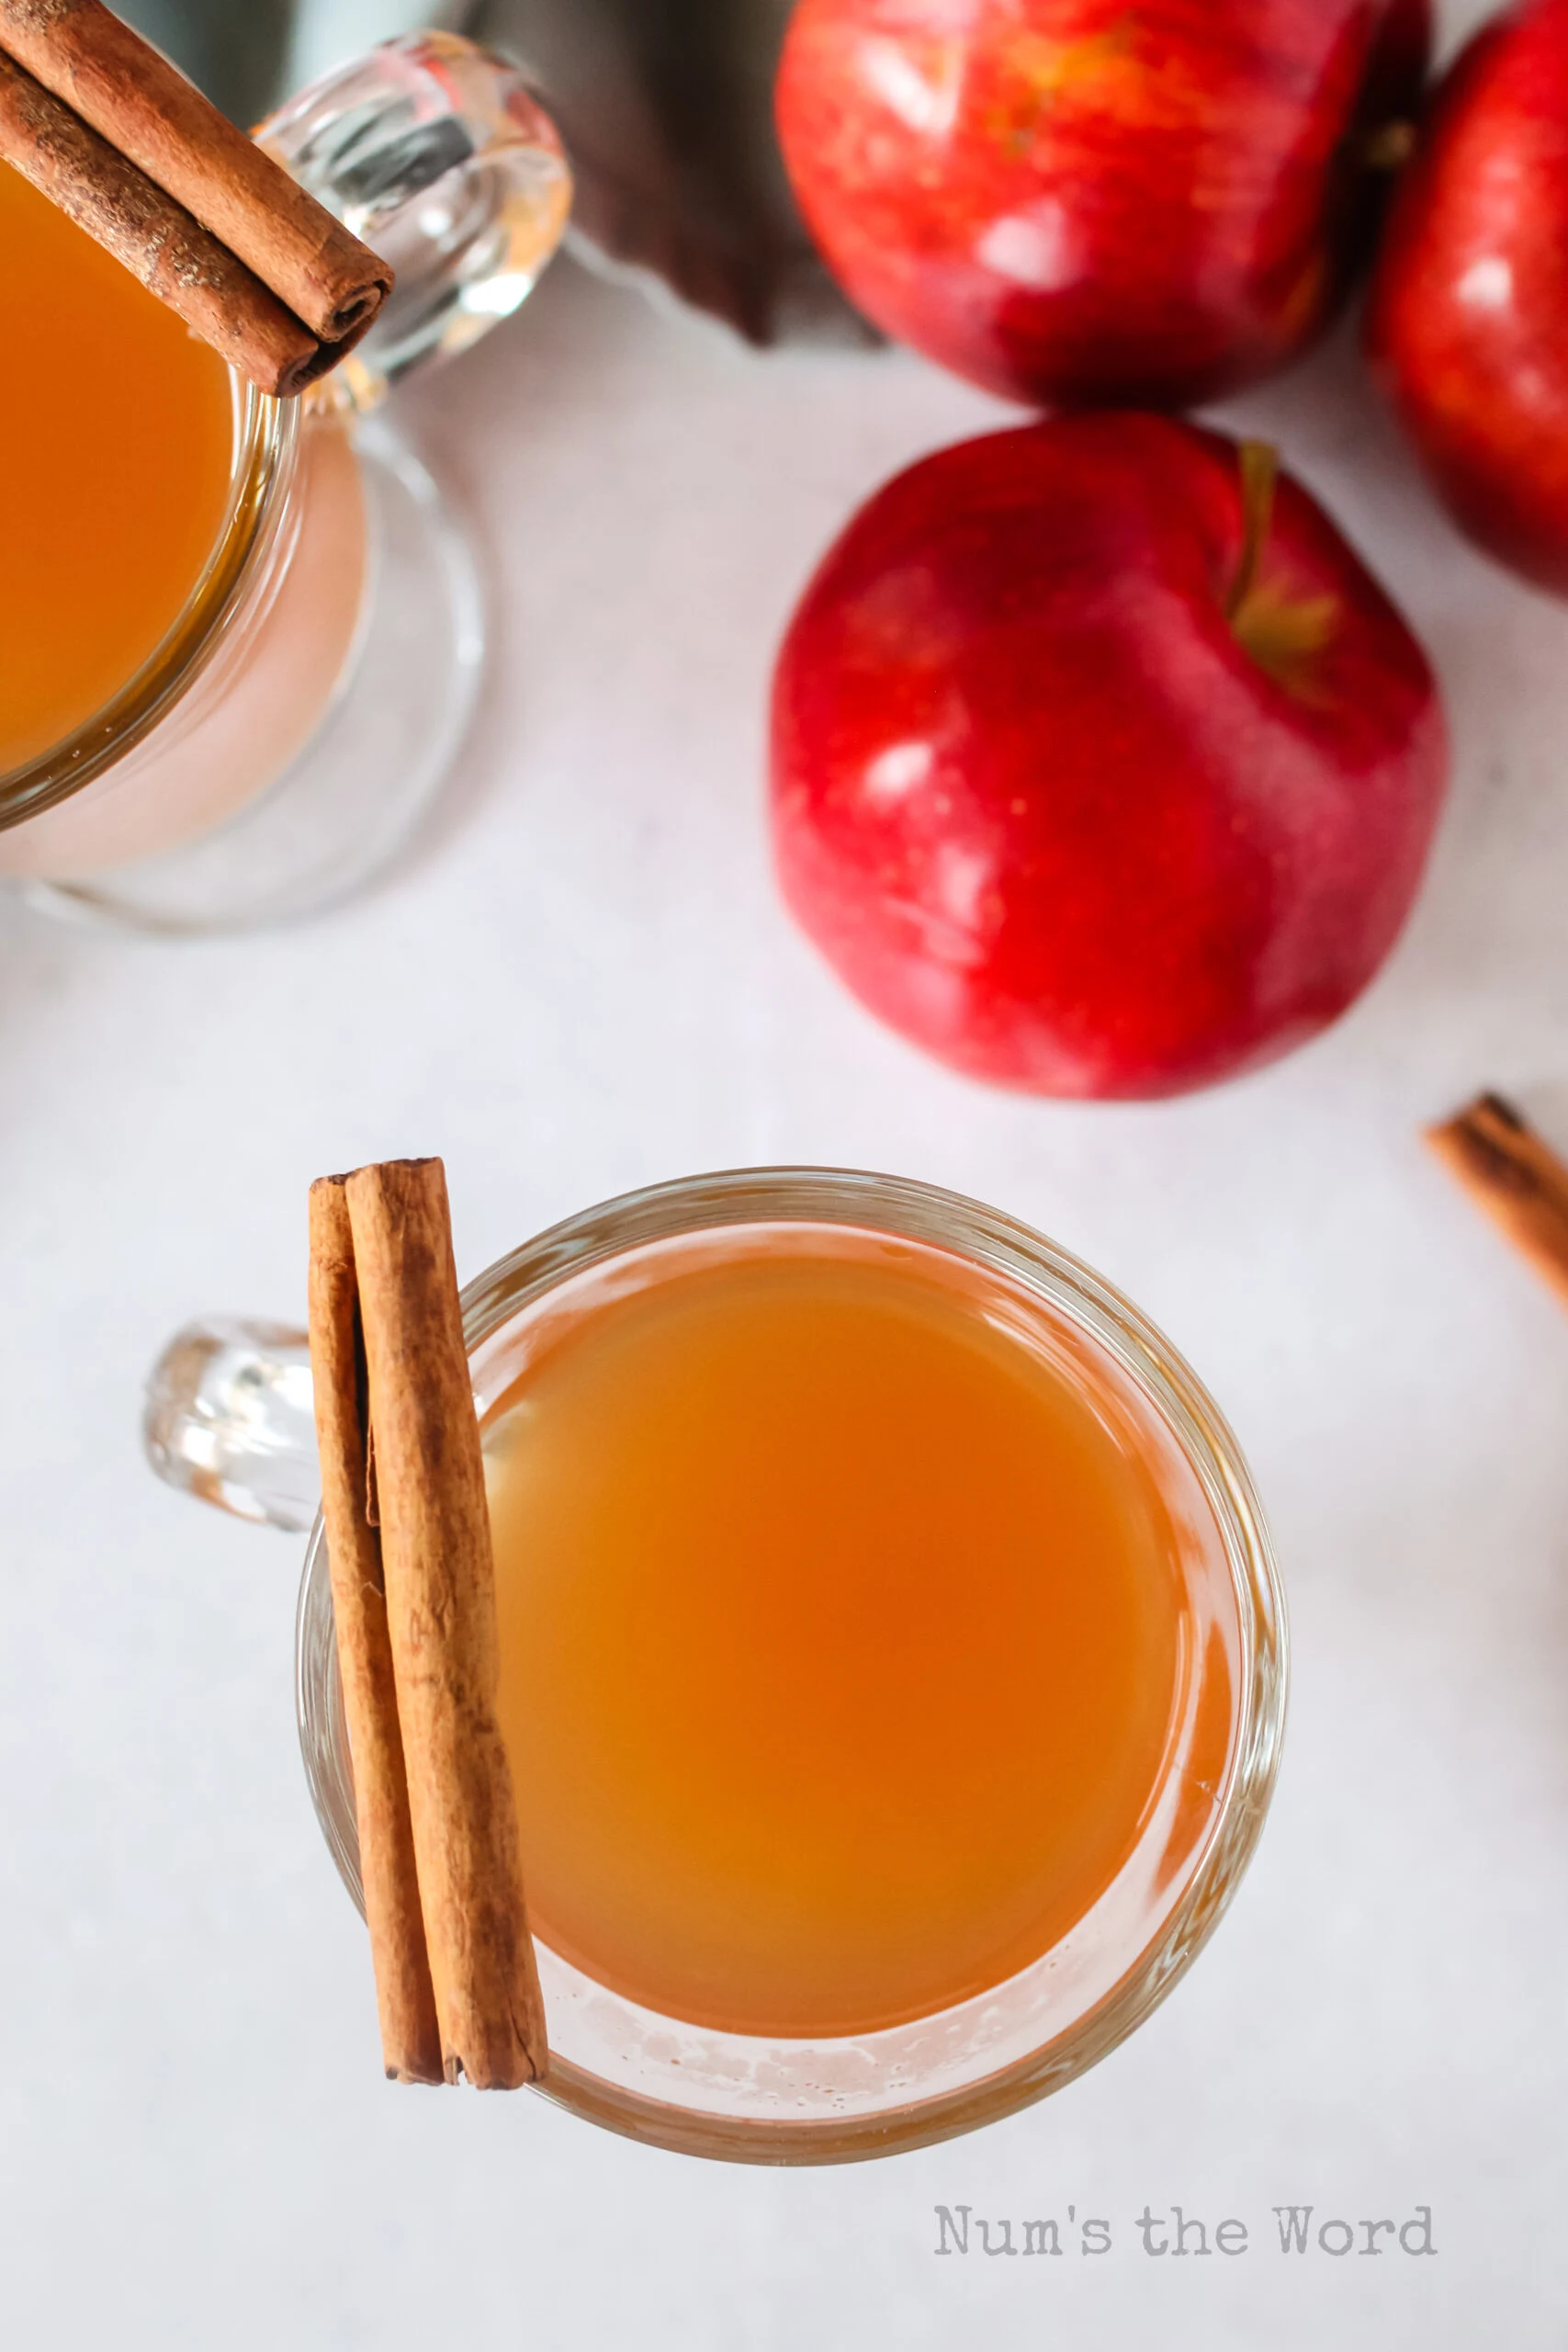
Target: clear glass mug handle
x=437, y=153
x=229, y=1418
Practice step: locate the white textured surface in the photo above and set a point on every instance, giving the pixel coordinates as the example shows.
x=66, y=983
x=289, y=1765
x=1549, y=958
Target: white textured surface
x=585, y=983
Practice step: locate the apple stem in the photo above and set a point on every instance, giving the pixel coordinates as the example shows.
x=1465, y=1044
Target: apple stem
x=1259, y=462
x=1390, y=147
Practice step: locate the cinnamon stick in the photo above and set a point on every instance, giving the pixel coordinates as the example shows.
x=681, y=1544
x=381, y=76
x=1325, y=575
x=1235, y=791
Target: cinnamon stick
x=440, y=1591
x=111, y=133
x=411, y=2039
x=172, y=255
x=144, y=107
x=1514, y=1178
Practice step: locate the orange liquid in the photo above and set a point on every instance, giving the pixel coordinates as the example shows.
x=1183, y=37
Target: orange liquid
x=841, y=1637
x=118, y=431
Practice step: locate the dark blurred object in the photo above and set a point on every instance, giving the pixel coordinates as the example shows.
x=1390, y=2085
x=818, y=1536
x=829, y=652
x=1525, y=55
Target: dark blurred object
x=666, y=106
x=238, y=55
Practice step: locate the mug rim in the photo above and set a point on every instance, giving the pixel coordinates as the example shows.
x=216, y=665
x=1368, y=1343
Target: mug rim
x=267, y=436
x=907, y=1209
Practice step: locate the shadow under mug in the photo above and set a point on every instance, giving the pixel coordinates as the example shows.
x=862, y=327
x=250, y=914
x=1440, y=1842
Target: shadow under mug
x=229, y=1418
x=278, y=745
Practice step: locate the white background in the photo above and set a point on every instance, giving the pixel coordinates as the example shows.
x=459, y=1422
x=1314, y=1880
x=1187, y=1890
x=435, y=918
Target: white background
x=584, y=982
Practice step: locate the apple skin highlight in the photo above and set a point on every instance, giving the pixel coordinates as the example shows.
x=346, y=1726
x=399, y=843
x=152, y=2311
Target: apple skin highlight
x=1080, y=794
x=1467, y=329
x=1082, y=202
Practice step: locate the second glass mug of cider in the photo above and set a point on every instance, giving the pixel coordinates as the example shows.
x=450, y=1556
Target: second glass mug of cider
x=239, y=636
x=891, y=1651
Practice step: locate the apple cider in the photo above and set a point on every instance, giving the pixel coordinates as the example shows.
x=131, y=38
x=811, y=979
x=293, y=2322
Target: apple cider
x=125, y=436
x=120, y=431
x=842, y=1626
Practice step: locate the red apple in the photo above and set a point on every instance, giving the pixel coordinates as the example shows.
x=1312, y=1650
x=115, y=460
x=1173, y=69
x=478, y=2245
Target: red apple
x=1096, y=201
x=1101, y=766
x=1468, y=328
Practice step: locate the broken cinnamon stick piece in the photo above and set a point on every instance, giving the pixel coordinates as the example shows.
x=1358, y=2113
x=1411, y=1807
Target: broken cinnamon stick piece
x=411, y=2039
x=1514, y=1178
x=144, y=107
x=440, y=1589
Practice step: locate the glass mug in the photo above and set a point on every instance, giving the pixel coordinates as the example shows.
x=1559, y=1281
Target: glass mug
x=229, y=1418
x=277, y=746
